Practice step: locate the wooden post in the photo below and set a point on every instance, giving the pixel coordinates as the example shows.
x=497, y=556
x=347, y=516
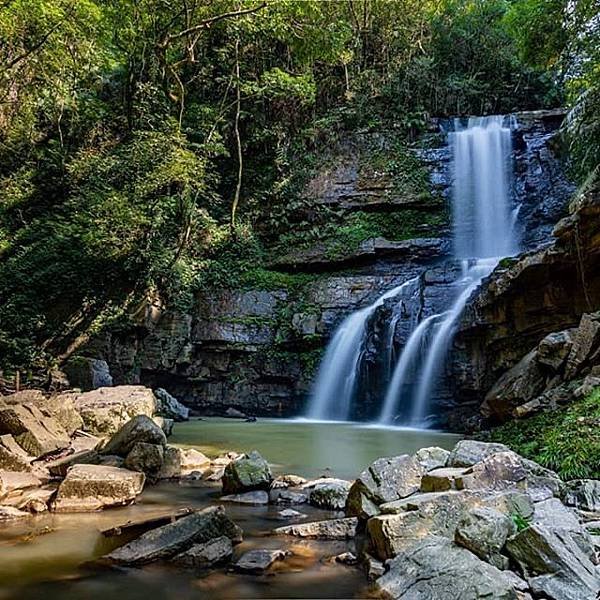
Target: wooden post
x=17, y=381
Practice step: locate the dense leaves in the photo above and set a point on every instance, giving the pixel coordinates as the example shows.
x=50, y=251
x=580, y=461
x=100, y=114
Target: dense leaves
x=128, y=128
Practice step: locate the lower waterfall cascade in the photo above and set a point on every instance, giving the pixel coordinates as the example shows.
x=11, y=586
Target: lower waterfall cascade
x=483, y=226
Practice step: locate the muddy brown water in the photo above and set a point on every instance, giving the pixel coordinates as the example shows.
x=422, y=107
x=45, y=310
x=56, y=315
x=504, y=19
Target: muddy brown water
x=51, y=556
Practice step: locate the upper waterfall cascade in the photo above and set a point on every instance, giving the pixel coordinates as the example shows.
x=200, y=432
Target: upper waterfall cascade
x=483, y=232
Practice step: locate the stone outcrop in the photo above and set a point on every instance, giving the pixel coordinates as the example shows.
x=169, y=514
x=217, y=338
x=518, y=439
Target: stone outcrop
x=106, y=410
x=170, y=540
x=530, y=329
x=385, y=480
x=34, y=430
x=88, y=373
x=436, y=568
x=94, y=487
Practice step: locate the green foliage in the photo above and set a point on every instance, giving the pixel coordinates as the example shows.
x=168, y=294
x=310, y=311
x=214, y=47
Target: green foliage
x=566, y=440
x=118, y=146
x=520, y=521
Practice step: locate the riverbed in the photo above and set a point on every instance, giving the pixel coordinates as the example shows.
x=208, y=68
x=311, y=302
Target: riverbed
x=51, y=556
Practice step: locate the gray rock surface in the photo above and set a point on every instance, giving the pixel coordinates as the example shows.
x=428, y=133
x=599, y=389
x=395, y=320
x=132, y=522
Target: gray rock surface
x=437, y=569
x=147, y=458
x=468, y=452
x=258, y=560
x=385, y=480
x=104, y=411
x=169, y=407
x=206, y=555
x=167, y=541
x=554, y=564
x=330, y=495
x=139, y=429
x=94, y=487
x=484, y=532
x=332, y=529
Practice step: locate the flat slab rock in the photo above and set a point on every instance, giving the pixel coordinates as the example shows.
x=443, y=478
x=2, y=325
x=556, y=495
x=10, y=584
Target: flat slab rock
x=332, y=529
x=259, y=560
x=94, y=487
x=175, y=538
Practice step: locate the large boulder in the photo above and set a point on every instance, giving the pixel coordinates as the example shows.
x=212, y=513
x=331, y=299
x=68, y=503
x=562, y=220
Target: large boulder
x=553, y=350
x=484, y=532
x=330, y=495
x=139, y=429
x=417, y=517
x=437, y=569
x=94, y=487
x=250, y=472
x=466, y=453
x=88, y=373
x=385, y=480
x=170, y=407
x=432, y=457
x=36, y=432
x=146, y=458
x=181, y=462
x=172, y=539
x=14, y=461
x=13, y=481
x=554, y=564
x=507, y=470
x=523, y=382
x=105, y=410
x=586, y=340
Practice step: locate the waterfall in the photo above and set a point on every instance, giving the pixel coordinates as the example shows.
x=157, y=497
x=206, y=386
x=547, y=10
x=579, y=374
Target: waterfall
x=337, y=377
x=483, y=226
x=483, y=232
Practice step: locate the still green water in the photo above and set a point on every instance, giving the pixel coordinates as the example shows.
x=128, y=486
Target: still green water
x=50, y=556
x=308, y=448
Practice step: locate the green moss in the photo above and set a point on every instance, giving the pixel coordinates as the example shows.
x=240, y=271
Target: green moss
x=566, y=440
x=360, y=226
x=405, y=172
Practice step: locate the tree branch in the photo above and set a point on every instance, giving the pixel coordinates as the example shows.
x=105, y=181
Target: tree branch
x=208, y=22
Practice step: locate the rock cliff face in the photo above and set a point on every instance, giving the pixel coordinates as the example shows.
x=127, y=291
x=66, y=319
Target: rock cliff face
x=256, y=350
x=542, y=293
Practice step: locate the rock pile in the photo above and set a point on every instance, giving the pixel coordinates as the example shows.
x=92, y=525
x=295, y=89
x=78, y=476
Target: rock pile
x=52, y=458
x=546, y=376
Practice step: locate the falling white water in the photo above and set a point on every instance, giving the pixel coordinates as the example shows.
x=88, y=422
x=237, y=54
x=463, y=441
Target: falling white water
x=484, y=232
x=481, y=164
x=336, y=381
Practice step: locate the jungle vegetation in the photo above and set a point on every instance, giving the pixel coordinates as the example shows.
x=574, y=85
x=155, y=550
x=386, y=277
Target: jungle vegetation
x=150, y=147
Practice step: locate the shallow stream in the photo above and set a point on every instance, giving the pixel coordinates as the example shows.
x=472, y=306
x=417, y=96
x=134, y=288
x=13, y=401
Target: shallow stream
x=45, y=557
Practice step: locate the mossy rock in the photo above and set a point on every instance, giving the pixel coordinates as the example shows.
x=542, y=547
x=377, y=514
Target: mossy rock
x=251, y=472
